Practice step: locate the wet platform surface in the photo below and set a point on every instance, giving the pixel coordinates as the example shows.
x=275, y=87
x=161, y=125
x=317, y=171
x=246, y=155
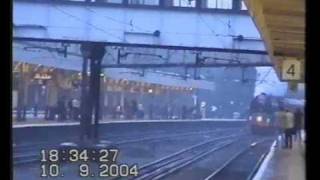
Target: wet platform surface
x=284, y=164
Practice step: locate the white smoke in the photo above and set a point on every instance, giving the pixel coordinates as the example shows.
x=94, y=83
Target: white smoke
x=268, y=82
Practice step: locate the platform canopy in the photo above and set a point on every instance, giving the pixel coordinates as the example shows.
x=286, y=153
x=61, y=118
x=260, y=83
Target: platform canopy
x=282, y=25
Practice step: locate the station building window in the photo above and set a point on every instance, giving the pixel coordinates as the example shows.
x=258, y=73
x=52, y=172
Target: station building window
x=113, y=1
x=179, y=3
x=184, y=3
x=109, y=1
x=217, y=4
x=144, y=2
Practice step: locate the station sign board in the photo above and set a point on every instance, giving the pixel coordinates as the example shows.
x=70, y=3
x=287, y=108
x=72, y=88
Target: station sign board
x=291, y=70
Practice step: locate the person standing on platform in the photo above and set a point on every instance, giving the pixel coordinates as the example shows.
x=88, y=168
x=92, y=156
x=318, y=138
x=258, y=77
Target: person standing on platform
x=169, y=111
x=126, y=109
x=151, y=111
x=298, y=117
x=118, y=112
x=194, y=112
x=140, y=112
x=134, y=108
x=46, y=113
x=76, y=109
x=289, y=128
x=184, y=112
x=280, y=123
x=70, y=109
x=52, y=97
x=61, y=109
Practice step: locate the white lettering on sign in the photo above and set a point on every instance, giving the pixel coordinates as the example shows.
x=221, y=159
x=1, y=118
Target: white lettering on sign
x=291, y=69
x=42, y=76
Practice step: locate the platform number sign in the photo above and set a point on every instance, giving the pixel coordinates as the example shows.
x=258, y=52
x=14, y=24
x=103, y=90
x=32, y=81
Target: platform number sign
x=291, y=70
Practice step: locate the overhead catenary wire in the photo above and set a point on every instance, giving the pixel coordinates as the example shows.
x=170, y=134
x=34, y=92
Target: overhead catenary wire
x=138, y=27
x=213, y=31
x=148, y=31
x=117, y=21
x=145, y=30
x=88, y=23
x=222, y=22
x=265, y=76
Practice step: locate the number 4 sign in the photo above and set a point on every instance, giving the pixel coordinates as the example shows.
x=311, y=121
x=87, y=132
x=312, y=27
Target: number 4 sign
x=291, y=70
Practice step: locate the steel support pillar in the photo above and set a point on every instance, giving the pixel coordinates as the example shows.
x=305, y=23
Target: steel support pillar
x=84, y=94
x=21, y=107
x=96, y=71
x=90, y=94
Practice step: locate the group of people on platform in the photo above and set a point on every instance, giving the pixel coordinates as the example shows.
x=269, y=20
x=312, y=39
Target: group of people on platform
x=130, y=110
x=70, y=110
x=134, y=110
x=290, y=125
x=64, y=110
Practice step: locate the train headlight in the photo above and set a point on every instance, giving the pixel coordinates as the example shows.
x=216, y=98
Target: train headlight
x=259, y=118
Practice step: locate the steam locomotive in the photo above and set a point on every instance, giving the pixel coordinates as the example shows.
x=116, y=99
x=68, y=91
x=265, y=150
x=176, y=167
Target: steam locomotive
x=262, y=114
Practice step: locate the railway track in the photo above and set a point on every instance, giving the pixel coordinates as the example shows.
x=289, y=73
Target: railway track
x=255, y=153
x=30, y=153
x=167, y=137
x=115, y=139
x=171, y=163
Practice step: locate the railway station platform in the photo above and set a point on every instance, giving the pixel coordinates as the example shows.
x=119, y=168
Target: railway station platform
x=284, y=164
